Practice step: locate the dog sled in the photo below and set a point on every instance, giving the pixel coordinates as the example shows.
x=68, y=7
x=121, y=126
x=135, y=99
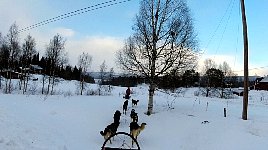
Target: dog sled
x=121, y=141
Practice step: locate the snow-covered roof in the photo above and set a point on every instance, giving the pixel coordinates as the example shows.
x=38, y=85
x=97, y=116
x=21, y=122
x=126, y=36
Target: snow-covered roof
x=36, y=67
x=24, y=68
x=265, y=79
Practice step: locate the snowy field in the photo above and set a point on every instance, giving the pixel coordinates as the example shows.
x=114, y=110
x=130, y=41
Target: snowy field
x=71, y=122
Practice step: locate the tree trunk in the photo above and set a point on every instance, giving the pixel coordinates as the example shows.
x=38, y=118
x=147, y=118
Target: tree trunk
x=0, y=80
x=6, y=83
x=82, y=86
x=222, y=92
x=53, y=82
x=152, y=68
x=24, y=85
x=27, y=80
x=43, y=84
x=48, y=85
x=207, y=92
x=9, y=84
x=24, y=82
x=21, y=78
x=20, y=84
x=151, y=98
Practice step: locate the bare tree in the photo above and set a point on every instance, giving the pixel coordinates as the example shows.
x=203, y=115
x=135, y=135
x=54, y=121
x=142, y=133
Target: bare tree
x=84, y=62
x=226, y=69
x=229, y=76
x=55, y=52
x=110, y=76
x=163, y=40
x=13, y=44
x=103, y=68
x=14, y=50
x=208, y=64
x=28, y=51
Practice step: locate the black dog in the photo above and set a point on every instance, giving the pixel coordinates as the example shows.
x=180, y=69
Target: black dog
x=125, y=107
x=134, y=102
x=109, y=130
x=133, y=116
x=117, y=115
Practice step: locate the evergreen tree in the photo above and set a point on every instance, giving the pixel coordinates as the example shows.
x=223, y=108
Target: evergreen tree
x=214, y=78
x=190, y=78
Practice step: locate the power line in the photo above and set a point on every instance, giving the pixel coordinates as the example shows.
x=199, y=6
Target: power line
x=237, y=37
x=74, y=13
x=214, y=33
x=229, y=16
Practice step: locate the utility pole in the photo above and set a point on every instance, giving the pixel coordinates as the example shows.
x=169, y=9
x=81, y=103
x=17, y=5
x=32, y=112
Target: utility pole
x=245, y=35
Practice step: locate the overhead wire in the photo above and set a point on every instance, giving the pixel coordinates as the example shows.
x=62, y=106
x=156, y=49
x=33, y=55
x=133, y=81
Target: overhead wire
x=219, y=24
x=229, y=16
x=74, y=13
x=237, y=41
x=237, y=37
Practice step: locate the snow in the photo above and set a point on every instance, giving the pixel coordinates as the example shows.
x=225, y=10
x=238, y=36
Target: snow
x=72, y=122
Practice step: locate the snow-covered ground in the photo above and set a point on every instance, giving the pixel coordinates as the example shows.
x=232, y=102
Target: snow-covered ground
x=64, y=122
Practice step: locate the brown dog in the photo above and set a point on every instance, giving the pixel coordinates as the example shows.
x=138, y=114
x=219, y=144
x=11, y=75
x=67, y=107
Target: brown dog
x=135, y=129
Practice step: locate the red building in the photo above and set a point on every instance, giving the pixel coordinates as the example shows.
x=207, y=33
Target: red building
x=261, y=84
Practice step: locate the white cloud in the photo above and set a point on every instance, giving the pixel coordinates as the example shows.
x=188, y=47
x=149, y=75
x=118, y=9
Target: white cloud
x=233, y=61
x=12, y=12
x=236, y=64
x=99, y=47
x=219, y=59
x=65, y=32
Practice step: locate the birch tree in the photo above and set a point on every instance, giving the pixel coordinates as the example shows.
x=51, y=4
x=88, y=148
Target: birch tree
x=14, y=51
x=84, y=63
x=28, y=51
x=163, y=40
x=55, y=52
x=208, y=64
x=102, y=76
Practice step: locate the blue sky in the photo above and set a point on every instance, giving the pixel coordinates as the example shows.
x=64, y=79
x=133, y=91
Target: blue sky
x=101, y=32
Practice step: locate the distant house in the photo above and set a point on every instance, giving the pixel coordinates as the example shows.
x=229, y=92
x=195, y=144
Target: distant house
x=10, y=74
x=36, y=69
x=21, y=69
x=261, y=84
